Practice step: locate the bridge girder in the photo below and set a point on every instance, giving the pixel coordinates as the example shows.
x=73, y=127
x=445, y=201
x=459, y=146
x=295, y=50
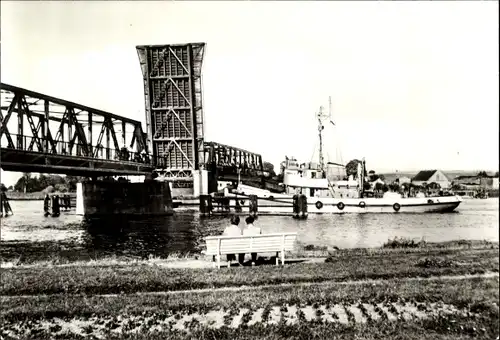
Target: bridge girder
x=229, y=156
x=47, y=134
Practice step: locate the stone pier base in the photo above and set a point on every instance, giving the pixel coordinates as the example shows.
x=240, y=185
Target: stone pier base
x=203, y=183
x=108, y=198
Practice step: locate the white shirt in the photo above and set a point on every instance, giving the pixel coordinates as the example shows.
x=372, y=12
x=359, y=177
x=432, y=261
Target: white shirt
x=232, y=230
x=251, y=230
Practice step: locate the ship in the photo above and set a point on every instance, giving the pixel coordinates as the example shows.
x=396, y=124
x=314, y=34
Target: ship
x=329, y=190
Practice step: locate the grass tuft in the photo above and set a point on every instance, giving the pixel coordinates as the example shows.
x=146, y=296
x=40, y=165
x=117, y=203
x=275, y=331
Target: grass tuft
x=435, y=262
x=401, y=242
x=350, y=316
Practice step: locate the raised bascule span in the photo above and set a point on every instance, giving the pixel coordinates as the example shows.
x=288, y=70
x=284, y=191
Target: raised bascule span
x=173, y=105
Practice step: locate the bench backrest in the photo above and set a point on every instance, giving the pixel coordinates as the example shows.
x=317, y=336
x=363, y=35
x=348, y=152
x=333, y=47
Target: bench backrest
x=250, y=244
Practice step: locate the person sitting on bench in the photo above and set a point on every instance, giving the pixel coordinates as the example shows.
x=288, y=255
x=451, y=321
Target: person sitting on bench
x=251, y=230
x=234, y=230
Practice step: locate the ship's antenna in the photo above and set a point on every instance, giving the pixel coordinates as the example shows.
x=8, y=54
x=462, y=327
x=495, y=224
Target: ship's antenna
x=338, y=154
x=330, y=186
x=320, y=130
x=330, y=108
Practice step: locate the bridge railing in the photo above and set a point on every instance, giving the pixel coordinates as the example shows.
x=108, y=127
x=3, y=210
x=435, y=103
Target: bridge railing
x=46, y=133
x=241, y=170
x=31, y=144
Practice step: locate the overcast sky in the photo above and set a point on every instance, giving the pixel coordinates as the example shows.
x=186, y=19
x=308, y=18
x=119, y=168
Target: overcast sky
x=414, y=85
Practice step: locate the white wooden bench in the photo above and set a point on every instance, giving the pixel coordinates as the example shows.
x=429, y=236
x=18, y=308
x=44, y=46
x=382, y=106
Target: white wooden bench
x=264, y=243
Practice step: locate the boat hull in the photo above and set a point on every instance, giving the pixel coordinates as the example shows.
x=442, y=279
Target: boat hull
x=281, y=204
x=407, y=205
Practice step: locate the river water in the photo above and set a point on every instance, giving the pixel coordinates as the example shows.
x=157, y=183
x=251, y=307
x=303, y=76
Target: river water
x=28, y=235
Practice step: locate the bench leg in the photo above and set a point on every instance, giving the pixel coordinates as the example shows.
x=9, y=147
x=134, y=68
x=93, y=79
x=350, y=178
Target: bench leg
x=218, y=261
x=283, y=257
x=277, y=258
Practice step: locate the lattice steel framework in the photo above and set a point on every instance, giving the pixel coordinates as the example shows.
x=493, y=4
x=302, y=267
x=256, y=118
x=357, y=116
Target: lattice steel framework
x=230, y=157
x=174, y=111
x=230, y=163
x=41, y=133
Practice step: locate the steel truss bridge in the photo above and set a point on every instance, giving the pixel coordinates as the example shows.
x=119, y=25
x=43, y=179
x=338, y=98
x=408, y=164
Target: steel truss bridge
x=40, y=133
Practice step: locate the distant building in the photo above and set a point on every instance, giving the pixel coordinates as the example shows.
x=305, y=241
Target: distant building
x=429, y=176
x=403, y=179
x=469, y=182
x=489, y=182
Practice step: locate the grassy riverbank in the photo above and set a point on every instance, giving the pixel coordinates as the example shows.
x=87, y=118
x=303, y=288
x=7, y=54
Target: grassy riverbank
x=141, y=278
x=69, y=252
x=392, y=309
x=402, y=291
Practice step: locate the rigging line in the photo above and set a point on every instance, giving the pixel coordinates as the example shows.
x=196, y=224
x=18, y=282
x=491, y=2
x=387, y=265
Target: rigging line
x=336, y=139
x=314, y=152
x=339, y=148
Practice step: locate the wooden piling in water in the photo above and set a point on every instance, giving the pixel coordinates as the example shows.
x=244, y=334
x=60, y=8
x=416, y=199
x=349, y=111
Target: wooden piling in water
x=56, y=208
x=300, y=206
x=205, y=205
x=5, y=205
x=253, y=206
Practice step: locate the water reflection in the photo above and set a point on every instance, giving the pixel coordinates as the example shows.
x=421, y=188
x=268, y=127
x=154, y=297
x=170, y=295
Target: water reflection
x=363, y=234
x=157, y=236
x=28, y=233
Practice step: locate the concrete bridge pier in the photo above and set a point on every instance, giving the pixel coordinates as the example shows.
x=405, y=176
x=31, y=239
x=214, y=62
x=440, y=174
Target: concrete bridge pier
x=200, y=183
x=101, y=198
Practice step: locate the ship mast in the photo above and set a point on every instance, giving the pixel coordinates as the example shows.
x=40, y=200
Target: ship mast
x=321, y=117
x=320, y=131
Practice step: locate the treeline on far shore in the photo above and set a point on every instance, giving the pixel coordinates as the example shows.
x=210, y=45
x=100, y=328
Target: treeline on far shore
x=30, y=187
x=31, y=196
